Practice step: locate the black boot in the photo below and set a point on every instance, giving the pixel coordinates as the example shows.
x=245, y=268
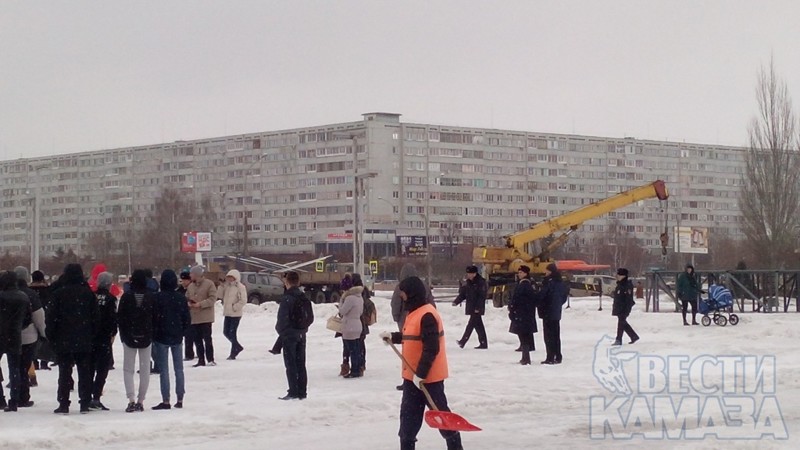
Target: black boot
x=408, y=445
x=454, y=442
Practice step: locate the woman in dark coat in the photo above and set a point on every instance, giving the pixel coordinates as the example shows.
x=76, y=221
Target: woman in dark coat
x=522, y=312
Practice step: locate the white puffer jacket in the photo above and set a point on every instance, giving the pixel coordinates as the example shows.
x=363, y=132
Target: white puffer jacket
x=233, y=295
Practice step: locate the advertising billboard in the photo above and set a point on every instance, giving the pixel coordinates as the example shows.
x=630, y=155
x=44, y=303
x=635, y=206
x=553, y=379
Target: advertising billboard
x=412, y=245
x=691, y=240
x=196, y=241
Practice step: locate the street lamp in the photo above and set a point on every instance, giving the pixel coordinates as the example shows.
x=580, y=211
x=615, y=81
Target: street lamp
x=358, y=221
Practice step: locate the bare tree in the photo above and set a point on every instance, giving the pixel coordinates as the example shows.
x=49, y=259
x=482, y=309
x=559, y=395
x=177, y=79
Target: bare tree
x=171, y=216
x=770, y=193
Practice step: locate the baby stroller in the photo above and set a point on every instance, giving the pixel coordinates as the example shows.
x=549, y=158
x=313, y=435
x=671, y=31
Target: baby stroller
x=719, y=304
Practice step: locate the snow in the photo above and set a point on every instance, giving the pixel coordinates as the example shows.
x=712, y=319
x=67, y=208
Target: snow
x=519, y=407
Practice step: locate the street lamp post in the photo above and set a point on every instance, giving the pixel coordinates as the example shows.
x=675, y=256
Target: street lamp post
x=358, y=221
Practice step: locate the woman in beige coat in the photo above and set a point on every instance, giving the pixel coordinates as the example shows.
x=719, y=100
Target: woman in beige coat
x=234, y=296
x=350, y=309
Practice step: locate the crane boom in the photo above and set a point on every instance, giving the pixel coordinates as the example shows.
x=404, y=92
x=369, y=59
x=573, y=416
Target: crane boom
x=574, y=218
x=500, y=263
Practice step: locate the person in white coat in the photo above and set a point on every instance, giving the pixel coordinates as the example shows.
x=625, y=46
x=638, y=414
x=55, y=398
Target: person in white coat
x=234, y=296
x=351, y=308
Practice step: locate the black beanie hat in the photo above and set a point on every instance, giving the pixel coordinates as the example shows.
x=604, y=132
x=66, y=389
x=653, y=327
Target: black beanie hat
x=622, y=271
x=472, y=269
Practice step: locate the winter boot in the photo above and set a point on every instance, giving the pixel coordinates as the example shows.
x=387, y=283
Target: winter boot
x=617, y=342
x=454, y=442
x=11, y=407
x=408, y=445
x=63, y=408
x=3, y=403
x=345, y=369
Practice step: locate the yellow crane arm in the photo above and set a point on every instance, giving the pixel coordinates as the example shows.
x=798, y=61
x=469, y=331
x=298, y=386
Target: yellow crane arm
x=575, y=218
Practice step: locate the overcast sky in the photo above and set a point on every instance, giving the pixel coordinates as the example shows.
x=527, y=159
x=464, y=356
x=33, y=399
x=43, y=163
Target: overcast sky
x=86, y=75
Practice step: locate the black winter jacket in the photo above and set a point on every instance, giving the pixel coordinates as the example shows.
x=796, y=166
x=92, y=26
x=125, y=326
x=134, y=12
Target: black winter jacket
x=14, y=306
x=551, y=298
x=284, y=325
x=474, y=292
x=70, y=317
x=136, y=315
x=106, y=319
x=522, y=308
x=623, y=298
x=172, y=317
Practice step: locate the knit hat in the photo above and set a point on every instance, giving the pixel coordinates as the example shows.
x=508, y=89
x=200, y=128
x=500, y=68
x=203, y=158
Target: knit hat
x=622, y=271
x=185, y=276
x=197, y=270
x=525, y=269
x=37, y=275
x=22, y=273
x=104, y=280
x=472, y=269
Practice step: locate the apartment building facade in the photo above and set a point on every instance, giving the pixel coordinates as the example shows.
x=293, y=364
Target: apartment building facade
x=292, y=191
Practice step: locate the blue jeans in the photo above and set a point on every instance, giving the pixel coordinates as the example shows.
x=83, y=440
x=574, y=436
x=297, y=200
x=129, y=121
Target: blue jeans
x=161, y=355
x=229, y=329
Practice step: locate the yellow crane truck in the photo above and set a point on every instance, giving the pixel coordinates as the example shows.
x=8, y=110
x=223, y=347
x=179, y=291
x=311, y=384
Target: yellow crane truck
x=500, y=264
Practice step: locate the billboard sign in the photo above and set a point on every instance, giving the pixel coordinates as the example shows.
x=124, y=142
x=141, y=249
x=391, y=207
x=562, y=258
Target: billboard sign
x=196, y=241
x=412, y=245
x=691, y=240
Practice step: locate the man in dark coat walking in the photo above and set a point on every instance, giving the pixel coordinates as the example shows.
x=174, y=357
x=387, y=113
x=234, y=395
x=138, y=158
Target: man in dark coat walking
x=522, y=312
x=70, y=328
x=474, y=292
x=14, y=306
x=623, y=303
x=550, y=299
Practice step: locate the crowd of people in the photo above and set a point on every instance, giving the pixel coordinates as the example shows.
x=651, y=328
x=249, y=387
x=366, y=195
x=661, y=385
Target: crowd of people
x=73, y=323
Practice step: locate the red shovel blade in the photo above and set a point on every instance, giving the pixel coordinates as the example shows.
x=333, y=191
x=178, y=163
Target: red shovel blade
x=444, y=420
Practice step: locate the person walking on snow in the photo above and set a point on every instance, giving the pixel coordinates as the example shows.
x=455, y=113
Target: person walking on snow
x=474, y=292
x=351, y=308
x=623, y=303
x=234, y=296
x=424, y=350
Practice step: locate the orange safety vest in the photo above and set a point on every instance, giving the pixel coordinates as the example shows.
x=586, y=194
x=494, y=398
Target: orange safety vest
x=412, y=345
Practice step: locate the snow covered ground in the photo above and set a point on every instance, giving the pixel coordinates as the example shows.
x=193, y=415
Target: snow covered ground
x=519, y=407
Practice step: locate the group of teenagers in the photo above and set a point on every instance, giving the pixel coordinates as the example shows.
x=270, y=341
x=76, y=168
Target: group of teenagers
x=82, y=318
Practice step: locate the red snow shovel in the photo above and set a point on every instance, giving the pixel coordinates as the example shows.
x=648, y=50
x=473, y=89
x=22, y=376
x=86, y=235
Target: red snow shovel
x=442, y=420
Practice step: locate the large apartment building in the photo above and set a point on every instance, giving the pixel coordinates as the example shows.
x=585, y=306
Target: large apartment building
x=291, y=191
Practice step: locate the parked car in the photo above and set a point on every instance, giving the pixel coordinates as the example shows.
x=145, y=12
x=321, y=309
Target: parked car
x=262, y=287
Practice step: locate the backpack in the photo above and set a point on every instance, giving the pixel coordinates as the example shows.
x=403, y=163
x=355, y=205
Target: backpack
x=370, y=314
x=302, y=314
